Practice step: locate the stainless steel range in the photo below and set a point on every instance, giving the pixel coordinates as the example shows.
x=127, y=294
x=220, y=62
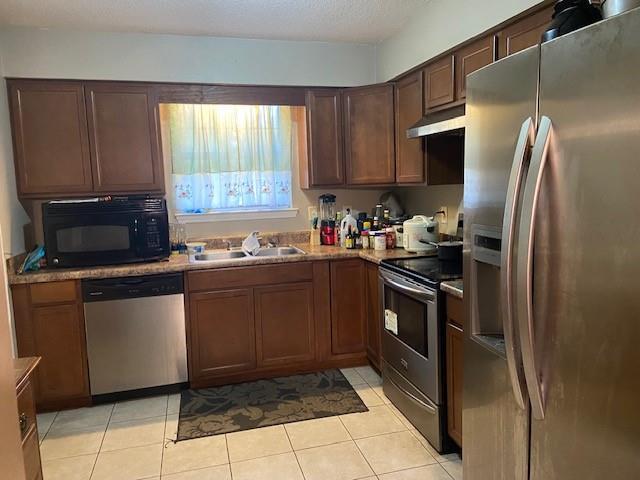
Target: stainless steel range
x=413, y=342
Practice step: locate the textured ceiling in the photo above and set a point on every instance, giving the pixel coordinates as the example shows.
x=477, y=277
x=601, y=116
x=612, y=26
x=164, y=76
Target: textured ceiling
x=365, y=21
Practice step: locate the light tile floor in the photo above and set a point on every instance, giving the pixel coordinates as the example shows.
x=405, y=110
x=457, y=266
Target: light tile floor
x=132, y=441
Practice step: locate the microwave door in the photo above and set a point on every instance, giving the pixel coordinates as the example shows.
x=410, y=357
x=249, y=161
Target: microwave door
x=87, y=240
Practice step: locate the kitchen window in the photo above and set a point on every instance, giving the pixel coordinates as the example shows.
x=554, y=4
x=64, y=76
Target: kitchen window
x=227, y=161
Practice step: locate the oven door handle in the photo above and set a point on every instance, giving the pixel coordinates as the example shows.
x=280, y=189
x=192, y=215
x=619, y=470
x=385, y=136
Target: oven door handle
x=407, y=288
x=411, y=396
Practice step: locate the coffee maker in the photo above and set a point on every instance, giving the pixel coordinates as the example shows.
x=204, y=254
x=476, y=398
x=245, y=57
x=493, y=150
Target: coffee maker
x=327, y=213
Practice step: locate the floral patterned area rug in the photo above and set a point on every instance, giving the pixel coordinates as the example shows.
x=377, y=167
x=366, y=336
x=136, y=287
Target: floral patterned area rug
x=231, y=408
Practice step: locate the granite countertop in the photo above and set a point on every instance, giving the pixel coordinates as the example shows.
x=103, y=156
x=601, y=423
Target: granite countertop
x=454, y=287
x=180, y=263
x=22, y=367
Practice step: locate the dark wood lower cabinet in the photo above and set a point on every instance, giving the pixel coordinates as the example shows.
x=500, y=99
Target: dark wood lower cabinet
x=454, y=354
x=285, y=328
x=222, y=332
x=348, y=329
x=247, y=323
x=24, y=368
x=49, y=322
x=374, y=315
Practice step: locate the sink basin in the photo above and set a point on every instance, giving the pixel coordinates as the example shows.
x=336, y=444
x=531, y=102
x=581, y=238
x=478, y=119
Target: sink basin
x=212, y=257
x=279, y=252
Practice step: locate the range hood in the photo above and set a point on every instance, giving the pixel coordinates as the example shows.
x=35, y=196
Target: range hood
x=450, y=121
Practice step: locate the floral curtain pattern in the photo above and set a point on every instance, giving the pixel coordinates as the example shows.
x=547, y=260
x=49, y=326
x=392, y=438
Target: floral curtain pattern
x=230, y=157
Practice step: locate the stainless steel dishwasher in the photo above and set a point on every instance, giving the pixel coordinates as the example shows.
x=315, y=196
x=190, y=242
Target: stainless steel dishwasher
x=135, y=328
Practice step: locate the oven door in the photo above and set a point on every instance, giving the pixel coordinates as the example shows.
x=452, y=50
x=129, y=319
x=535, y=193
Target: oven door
x=91, y=239
x=410, y=337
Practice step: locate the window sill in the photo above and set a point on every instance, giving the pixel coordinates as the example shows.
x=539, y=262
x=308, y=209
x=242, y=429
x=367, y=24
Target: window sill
x=237, y=215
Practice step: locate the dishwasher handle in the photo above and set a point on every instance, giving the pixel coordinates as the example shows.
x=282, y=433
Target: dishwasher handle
x=131, y=287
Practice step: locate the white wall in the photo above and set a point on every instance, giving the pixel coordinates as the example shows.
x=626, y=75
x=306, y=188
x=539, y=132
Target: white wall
x=428, y=200
x=49, y=53
x=438, y=26
x=12, y=215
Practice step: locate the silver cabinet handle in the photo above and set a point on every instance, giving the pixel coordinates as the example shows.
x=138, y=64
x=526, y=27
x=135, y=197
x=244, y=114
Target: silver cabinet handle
x=526, y=237
x=408, y=288
x=523, y=149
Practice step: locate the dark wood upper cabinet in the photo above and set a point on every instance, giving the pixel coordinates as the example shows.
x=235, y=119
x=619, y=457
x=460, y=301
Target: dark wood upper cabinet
x=439, y=82
x=348, y=329
x=409, y=151
x=374, y=314
x=123, y=133
x=284, y=338
x=369, y=135
x=473, y=57
x=524, y=33
x=50, y=139
x=325, y=141
x=222, y=333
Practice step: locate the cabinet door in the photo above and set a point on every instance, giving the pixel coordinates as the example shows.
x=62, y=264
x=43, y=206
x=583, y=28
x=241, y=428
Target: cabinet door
x=439, y=83
x=51, y=145
x=123, y=134
x=285, y=330
x=524, y=33
x=473, y=57
x=409, y=151
x=59, y=338
x=324, y=139
x=348, y=329
x=222, y=332
x=454, y=382
x=374, y=314
x=369, y=135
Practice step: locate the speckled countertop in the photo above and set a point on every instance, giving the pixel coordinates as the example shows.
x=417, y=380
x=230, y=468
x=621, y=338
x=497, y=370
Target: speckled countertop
x=454, y=287
x=180, y=263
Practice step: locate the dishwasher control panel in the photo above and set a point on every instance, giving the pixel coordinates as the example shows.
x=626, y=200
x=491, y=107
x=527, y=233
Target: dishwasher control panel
x=131, y=287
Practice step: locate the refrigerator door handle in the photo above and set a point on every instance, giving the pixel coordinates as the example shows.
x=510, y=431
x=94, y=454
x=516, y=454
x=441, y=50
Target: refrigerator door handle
x=521, y=155
x=539, y=155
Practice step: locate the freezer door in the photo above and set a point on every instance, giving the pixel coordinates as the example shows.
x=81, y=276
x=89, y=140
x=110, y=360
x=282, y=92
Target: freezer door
x=584, y=354
x=501, y=112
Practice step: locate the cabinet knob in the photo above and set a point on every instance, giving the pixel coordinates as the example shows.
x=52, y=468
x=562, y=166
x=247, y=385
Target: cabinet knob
x=22, y=418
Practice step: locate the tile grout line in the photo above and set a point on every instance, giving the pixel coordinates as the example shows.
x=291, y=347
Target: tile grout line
x=295, y=455
x=226, y=445
x=48, y=429
x=164, y=435
x=358, y=448
x=95, y=462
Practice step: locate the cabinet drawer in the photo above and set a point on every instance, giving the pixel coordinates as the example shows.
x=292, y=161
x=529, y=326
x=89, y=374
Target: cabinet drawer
x=31, y=455
x=455, y=310
x=225, y=278
x=53, y=292
x=26, y=409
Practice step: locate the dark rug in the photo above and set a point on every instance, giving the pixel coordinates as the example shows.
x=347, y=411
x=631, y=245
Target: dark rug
x=231, y=408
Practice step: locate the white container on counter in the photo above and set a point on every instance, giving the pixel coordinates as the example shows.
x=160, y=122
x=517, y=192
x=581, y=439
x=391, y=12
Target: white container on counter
x=418, y=232
x=379, y=240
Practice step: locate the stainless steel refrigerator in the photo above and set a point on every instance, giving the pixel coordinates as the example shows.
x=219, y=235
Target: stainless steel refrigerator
x=552, y=260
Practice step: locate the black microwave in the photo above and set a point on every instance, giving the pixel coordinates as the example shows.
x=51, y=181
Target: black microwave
x=105, y=231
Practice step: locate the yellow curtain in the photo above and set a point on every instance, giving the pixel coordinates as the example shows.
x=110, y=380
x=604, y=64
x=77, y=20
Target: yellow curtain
x=231, y=156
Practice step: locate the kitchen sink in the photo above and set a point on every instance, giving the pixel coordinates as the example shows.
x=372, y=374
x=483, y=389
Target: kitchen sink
x=212, y=257
x=279, y=251
x=239, y=254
